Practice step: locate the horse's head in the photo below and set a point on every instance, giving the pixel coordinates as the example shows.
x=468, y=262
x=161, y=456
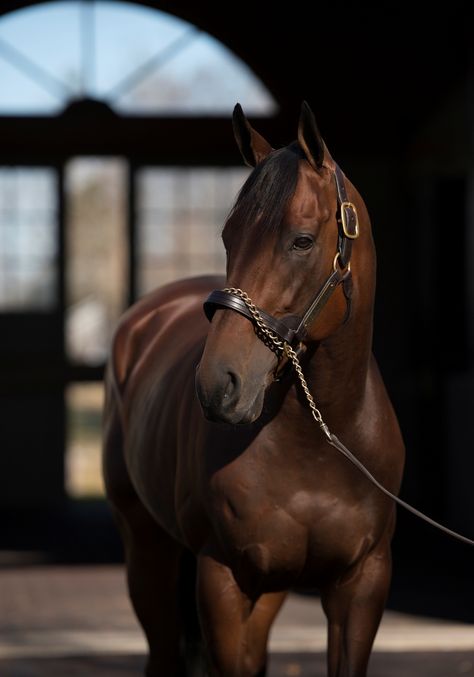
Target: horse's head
x=285, y=237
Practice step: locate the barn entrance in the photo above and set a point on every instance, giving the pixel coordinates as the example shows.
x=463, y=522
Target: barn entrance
x=117, y=170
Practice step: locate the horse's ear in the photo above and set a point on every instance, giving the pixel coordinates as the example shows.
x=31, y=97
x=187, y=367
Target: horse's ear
x=309, y=137
x=252, y=145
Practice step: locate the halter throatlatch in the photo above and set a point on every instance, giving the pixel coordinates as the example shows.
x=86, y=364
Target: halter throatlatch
x=293, y=329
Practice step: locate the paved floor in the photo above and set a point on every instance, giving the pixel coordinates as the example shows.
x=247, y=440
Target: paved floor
x=77, y=621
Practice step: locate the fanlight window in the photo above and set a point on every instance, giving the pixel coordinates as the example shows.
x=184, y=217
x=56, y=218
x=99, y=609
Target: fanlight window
x=138, y=60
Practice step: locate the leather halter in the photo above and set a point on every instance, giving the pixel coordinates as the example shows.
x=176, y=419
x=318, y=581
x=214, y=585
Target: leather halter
x=293, y=329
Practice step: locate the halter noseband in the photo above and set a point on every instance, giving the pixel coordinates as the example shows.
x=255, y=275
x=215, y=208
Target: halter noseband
x=293, y=329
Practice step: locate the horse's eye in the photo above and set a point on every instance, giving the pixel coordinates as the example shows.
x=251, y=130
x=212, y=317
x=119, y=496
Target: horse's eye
x=302, y=242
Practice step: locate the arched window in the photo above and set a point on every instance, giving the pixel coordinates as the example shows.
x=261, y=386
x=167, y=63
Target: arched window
x=136, y=59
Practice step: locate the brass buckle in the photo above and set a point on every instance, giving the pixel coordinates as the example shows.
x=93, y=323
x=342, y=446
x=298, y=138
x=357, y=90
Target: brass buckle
x=335, y=264
x=347, y=232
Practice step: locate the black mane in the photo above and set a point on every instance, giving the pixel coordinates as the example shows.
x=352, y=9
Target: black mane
x=264, y=196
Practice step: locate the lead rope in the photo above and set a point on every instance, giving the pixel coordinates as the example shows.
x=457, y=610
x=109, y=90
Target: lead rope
x=282, y=347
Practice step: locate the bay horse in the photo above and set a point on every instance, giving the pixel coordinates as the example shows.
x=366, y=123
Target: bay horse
x=210, y=445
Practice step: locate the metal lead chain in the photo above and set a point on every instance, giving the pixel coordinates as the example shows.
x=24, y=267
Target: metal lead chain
x=316, y=414
x=282, y=347
x=270, y=339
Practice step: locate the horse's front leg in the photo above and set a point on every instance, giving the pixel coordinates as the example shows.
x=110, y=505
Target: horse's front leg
x=354, y=605
x=235, y=628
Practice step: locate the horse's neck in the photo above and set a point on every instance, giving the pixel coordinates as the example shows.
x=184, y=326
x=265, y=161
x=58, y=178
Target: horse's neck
x=337, y=371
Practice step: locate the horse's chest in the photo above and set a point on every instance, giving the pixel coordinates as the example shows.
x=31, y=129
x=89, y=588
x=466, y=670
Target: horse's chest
x=262, y=542
x=276, y=544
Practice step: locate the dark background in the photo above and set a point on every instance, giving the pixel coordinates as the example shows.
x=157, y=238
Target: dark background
x=393, y=91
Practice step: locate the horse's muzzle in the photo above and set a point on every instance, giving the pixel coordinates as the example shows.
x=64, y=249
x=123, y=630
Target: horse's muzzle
x=222, y=399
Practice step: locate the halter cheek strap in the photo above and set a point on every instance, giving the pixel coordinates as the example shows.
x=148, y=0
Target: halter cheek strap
x=294, y=329
x=347, y=219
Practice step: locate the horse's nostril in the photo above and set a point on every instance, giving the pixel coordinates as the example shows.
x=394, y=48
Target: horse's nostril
x=232, y=388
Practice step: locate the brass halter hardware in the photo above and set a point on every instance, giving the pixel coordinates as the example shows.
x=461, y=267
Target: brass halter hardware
x=350, y=224
x=336, y=263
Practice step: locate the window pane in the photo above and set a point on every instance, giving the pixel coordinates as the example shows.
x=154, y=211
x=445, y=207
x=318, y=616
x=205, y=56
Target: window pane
x=27, y=30
x=84, y=402
x=203, y=78
x=96, y=284
x=20, y=95
x=28, y=239
x=48, y=38
x=180, y=214
x=129, y=35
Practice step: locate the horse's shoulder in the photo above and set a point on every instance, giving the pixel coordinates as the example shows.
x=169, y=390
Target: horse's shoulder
x=141, y=323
